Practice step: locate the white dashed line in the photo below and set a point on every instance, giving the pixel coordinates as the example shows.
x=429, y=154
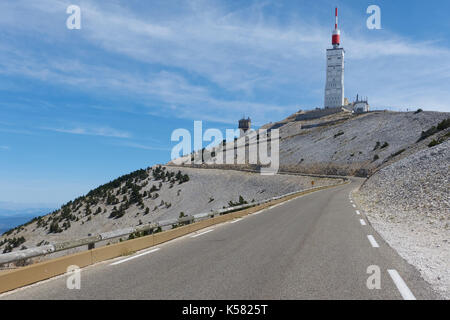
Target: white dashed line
x=201, y=233
x=134, y=257
x=363, y=223
x=401, y=285
x=353, y=205
x=357, y=212
x=372, y=241
x=237, y=220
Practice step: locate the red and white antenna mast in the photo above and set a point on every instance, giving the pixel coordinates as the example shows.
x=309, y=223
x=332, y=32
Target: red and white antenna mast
x=336, y=38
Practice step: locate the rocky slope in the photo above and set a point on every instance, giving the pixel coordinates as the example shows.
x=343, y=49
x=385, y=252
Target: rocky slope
x=149, y=195
x=359, y=144
x=408, y=203
x=351, y=144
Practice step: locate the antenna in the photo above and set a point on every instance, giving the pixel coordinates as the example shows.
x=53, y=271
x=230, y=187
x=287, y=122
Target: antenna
x=336, y=15
x=335, y=40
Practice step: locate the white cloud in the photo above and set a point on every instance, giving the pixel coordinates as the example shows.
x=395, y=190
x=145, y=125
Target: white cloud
x=203, y=61
x=99, y=131
x=143, y=146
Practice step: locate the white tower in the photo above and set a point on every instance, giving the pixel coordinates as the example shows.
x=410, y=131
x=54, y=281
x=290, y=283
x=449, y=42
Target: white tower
x=334, y=87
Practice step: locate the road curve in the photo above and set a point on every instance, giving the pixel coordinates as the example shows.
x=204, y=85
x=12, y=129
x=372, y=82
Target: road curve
x=312, y=247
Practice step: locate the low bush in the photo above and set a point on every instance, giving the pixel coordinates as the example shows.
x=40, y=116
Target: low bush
x=397, y=153
x=377, y=145
x=444, y=124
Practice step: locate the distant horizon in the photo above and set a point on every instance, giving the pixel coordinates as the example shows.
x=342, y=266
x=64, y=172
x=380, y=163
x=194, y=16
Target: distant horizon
x=14, y=219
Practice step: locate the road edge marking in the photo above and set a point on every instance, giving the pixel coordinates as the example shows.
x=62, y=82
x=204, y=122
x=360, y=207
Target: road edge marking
x=134, y=257
x=401, y=285
x=202, y=233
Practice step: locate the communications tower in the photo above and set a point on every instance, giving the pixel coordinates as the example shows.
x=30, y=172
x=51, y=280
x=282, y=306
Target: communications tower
x=334, y=87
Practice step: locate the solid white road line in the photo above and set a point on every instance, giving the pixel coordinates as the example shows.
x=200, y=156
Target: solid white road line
x=363, y=223
x=357, y=212
x=237, y=220
x=401, y=285
x=201, y=233
x=277, y=205
x=372, y=241
x=134, y=257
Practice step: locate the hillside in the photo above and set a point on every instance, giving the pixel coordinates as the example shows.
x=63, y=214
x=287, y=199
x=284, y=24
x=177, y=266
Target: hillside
x=408, y=203
x=357, y=145
x=149, y=195
x=350, y=144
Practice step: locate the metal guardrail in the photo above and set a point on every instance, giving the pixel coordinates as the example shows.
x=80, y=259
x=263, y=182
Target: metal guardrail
x=91, y=240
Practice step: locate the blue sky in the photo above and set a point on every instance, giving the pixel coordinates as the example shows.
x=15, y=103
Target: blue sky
x=81, y=107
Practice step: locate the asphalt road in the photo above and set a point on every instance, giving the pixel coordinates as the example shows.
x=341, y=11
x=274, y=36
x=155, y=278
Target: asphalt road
x=312, y=247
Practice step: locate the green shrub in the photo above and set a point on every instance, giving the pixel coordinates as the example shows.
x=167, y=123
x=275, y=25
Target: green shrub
x=377, y=145
x=234, y=204
x=116, y=214
x=12, y=243
x=397, y=153
x=54, y=228
x=444, y=124
x=156, y=230
x=433, y=143
x=138, y=234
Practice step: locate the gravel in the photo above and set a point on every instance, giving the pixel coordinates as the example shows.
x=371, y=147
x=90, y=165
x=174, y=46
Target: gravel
x=349, y=145
x=408, y=203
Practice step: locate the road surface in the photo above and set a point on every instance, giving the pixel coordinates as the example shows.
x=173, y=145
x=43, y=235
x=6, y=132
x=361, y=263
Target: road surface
x=313, y=247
